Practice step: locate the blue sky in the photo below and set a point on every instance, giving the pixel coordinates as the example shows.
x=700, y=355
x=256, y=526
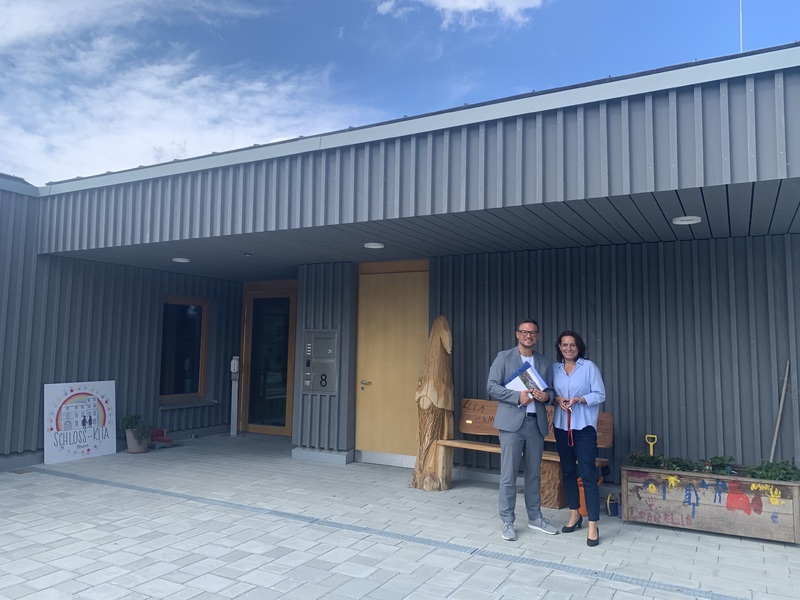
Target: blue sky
x=89, y=86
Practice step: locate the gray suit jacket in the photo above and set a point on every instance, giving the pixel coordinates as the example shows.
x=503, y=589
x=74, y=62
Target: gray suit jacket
x=510, y=415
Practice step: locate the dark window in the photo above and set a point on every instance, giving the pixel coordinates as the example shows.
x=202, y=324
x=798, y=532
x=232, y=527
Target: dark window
x=269, y=361
x=183, y=348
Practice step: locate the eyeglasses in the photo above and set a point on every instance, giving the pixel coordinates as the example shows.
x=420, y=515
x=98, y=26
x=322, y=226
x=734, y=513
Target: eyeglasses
x=528, y=333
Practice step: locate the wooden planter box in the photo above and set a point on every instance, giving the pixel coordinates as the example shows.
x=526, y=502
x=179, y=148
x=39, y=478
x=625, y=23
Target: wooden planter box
x=735, y=505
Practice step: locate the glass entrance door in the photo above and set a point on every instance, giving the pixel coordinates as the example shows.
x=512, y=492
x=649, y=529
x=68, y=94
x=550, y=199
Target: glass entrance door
x=268, y=358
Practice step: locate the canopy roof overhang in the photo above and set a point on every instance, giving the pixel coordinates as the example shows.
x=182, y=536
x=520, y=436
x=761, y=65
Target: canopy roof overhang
x=604, y=163
x=736, y=210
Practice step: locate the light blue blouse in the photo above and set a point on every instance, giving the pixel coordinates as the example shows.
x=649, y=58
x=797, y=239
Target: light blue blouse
x=585, y=380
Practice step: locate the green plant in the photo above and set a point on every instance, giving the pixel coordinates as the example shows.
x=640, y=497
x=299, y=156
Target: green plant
x=136, y=424
x=659, y=461
x=722, y=465
x=719, y=465
x=777, y=471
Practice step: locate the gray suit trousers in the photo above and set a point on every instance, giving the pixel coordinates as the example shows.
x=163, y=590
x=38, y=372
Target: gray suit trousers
x=526, y=444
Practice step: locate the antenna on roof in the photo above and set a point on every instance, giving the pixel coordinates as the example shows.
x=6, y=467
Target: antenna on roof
x=740, y=26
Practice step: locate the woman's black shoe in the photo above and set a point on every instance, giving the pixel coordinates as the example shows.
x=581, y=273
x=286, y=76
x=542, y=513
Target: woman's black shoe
x=593, y=542
x=571, y=528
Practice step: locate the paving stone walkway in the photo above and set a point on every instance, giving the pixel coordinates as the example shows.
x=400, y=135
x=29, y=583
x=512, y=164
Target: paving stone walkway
x=223, y=517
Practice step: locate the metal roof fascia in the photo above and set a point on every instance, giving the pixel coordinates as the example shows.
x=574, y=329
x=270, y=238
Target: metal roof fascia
x=19, y=187
x=586, y=94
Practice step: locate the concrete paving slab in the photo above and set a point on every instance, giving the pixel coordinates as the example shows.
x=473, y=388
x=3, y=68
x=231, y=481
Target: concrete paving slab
x=223, y=517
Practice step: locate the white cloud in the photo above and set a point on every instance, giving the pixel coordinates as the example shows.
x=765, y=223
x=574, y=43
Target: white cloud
x=82, y=92
x=156, y=113
x=467, y=13
x=393, y=8
x=386, y=7
x=86, y=96
x=32, y=20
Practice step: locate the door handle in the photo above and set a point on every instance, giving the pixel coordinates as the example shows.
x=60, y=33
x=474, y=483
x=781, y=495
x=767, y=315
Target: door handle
x=365, y=382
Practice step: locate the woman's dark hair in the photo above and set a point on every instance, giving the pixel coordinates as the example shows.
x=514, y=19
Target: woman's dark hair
x=578, y=340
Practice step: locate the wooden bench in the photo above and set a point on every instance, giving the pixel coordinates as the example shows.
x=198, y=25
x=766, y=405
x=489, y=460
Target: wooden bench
x=477, y=418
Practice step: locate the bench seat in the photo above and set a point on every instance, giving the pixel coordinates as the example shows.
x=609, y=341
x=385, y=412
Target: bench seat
x=495, y=448
x=477, y=418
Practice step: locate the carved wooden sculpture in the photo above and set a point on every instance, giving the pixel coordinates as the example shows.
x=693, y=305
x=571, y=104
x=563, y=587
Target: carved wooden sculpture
x=435, y=411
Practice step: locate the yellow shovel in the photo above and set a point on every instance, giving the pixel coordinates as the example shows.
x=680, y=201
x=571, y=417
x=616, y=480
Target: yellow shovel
x=651, y=441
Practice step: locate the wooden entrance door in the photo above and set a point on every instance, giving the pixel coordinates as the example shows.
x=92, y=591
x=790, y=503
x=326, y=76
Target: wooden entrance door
x=267, y=365
x=392, y=338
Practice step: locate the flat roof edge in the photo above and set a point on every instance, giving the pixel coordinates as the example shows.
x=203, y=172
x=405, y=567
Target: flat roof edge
x=19, y=187
x=679, y=76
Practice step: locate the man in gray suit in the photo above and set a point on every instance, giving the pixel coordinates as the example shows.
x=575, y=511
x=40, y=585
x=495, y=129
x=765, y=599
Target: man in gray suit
x=522, y=423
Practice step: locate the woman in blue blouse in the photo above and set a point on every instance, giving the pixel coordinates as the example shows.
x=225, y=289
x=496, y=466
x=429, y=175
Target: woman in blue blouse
x=579, y=393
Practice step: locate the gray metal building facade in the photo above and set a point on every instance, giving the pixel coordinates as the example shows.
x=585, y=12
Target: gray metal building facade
x=557, y=205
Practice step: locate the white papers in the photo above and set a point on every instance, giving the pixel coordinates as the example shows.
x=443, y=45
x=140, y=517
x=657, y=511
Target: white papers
x=526, y=378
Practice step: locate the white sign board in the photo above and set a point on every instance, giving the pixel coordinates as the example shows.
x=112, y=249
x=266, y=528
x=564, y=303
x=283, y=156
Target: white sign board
x=79, y=420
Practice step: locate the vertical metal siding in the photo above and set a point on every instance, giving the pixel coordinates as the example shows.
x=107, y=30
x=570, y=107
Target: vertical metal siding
x=712, y=134
x=327, y=299
x=789, y=91
x=69, y=320
x=18, y=217
x=692, y=337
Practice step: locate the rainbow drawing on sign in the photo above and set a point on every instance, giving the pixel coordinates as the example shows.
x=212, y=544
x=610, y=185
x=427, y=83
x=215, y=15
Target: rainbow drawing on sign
x=79, y=410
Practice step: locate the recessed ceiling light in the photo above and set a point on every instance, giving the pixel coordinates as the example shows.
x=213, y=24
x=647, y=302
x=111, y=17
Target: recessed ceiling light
x=687, y=220
x=373, y=245
x=181, y=260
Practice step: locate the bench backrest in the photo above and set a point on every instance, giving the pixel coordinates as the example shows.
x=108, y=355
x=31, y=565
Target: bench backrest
x=477, y=418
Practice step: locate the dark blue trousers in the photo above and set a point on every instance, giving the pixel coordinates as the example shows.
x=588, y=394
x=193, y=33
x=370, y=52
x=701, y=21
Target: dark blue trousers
x=579, y=461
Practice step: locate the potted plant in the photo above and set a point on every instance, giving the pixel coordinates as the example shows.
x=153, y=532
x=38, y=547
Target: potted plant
x=137, y=433
x=713, y=495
